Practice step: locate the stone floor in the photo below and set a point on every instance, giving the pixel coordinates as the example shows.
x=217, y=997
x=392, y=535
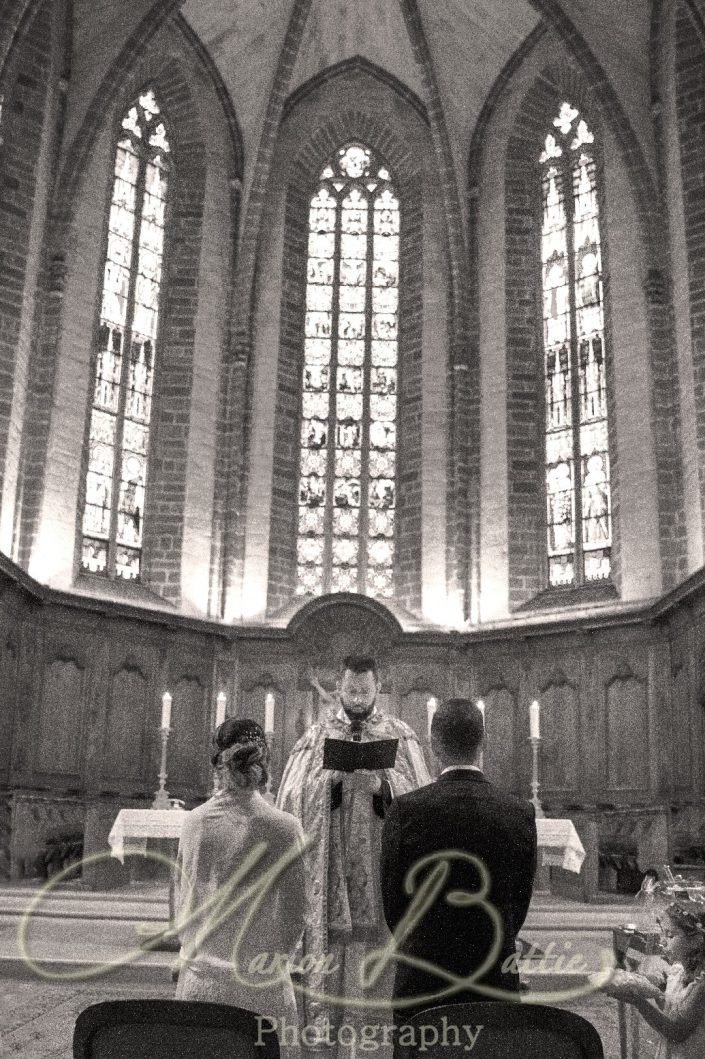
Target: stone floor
x=37, y=1018
x=73, y=930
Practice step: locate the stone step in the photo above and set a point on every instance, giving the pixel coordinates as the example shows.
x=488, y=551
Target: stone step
x=151, y=901
x=138, y=902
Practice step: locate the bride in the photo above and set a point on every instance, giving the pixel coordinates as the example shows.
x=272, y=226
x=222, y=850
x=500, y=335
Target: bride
x=236, y=951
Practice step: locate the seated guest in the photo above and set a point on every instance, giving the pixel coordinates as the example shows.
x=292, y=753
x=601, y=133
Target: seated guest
x=675, y=1005
x=217, y=839
x=461, y=813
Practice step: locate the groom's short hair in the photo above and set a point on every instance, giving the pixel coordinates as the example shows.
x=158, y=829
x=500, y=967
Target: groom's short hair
x=360, y=664
x=459, y=727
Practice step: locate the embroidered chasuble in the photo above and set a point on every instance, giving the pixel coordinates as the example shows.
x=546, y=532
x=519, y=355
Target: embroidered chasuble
x=344, y=915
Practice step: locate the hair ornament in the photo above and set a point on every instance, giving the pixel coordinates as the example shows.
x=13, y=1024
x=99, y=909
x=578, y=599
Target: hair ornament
x=232, y=734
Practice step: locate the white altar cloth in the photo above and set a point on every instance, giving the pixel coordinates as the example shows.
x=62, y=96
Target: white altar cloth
x=558, y=840
x=560, y=844
x=133, y=827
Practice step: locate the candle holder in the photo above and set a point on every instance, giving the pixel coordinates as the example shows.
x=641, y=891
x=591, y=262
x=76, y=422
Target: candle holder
x=161, y=796
x=535, y=740
x=269, y=737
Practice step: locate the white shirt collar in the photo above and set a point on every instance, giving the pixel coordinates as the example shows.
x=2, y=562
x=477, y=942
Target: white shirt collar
x=457, y=768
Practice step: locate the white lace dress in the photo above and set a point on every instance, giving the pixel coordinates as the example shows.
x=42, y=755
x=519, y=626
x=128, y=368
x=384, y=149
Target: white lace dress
x=215, y=839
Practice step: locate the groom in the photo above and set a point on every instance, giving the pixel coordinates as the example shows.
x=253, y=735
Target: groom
x=460, y=818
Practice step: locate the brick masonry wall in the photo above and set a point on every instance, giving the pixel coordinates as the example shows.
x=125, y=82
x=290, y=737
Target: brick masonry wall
x=690, y=110
x=378, y=118
x=666, y=127
x=525, y=436
x=25, y=152
x=164, y=510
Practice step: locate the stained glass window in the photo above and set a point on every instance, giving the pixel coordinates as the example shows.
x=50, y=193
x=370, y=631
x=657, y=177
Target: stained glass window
x=579, y=516
x=116, y=476
x=347, y=483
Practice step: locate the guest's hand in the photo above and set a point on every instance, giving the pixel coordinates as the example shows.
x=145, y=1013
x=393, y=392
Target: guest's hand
x=626, y=985
x=366, y=781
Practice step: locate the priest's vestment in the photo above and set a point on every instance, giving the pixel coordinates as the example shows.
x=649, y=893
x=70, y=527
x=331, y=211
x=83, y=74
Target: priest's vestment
x=344, y=915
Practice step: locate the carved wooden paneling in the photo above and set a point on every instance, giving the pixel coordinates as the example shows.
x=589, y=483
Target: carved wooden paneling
x=413, y=710
x=8, y=701
x=626, y=729
x=127, y=707
x=326, y=630
x=681, y=730
x=252, y=701
x=189, y=740
x=560, y=733
x=699, y=722
x=60, y=736
x=500, y=757
x=295, y=708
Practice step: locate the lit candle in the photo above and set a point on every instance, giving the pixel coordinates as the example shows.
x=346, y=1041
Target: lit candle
x=481, y=708
x=431, y=707
x=220, y=703
x=534, y=720
x=269, y=713
x=166, y=709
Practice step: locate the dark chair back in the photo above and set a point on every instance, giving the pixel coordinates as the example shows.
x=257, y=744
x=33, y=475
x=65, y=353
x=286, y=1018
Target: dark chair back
x=172, y=1029
x=531, y=1031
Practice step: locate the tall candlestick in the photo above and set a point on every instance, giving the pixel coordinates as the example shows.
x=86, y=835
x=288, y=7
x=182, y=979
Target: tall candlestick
x=269, y=713
x=431, y=707
x=166, y=710
x=535, y=740
x=161, y=795
x=220, y=704
x=481, y=708
x=534, y=732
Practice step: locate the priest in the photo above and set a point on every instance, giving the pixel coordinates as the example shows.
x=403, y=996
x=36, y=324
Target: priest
x=343, y=813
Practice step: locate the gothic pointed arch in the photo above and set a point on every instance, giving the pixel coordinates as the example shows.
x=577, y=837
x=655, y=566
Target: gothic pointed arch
x=554, y=168
x=577, y=462
x=117, y=465
x=338, y=422
x=202, y=222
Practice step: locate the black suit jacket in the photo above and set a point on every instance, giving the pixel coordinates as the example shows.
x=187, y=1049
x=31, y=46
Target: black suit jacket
x=460, y=811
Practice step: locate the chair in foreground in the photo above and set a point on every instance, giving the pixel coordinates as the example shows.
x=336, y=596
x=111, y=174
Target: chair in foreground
x=532, y=1031
x=170, y=1029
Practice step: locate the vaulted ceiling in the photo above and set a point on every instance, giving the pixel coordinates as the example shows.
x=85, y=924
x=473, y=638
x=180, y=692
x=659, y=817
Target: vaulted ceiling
x=469, y=43
x=462, y=47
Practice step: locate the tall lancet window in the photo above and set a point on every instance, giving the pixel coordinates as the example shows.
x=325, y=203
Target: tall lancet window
x=116, y=476
x=577, y=459
x=347, y=487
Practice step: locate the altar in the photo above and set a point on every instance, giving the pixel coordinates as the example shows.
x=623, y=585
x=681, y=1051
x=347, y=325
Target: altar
x=558, y=840
x=133, y=828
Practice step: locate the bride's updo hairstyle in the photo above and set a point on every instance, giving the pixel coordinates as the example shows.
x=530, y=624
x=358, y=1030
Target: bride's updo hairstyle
x=241, y=755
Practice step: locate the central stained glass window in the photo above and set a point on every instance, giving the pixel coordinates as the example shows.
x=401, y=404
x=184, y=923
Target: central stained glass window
x=347, y=482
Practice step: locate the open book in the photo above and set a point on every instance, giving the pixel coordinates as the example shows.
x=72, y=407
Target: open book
x=348, y=756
